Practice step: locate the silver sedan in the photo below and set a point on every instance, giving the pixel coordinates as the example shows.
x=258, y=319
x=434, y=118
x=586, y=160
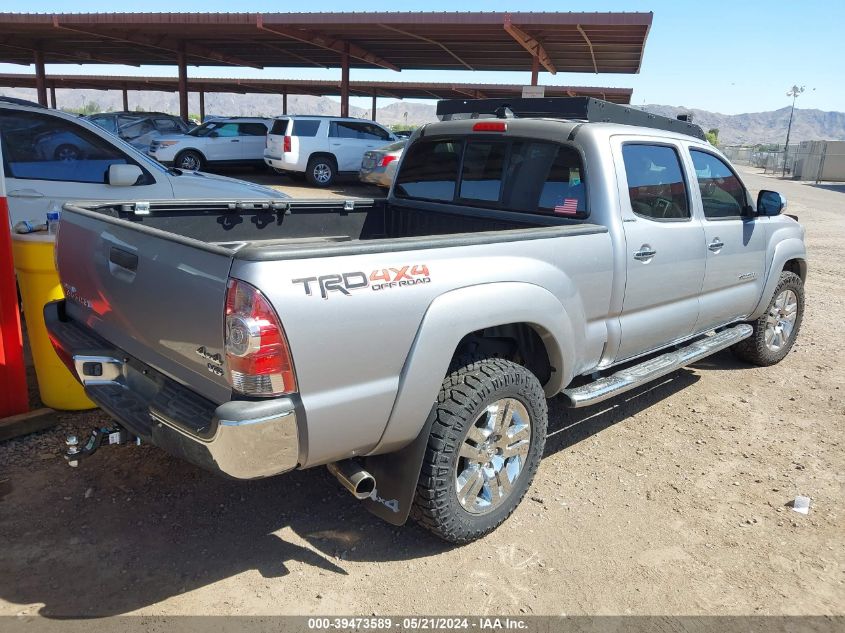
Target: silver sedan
x=379, y=165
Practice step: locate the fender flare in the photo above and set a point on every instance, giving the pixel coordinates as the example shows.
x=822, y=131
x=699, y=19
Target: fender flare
x=784, y=251
x=448, y=319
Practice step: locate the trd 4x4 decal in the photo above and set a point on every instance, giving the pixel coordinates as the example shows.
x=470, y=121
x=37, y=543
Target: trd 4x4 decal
x=379, y=279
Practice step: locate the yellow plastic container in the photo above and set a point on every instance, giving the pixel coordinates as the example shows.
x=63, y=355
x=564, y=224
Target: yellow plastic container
x=39, y=284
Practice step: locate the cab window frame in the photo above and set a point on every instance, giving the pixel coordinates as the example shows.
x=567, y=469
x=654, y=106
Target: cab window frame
x=681, y=167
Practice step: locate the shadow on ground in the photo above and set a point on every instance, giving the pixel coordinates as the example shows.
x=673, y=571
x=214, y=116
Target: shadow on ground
x=132, y=526
x=831, y=187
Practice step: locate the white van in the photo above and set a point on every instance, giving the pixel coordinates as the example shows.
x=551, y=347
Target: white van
x=53, y=157
x=322, y=147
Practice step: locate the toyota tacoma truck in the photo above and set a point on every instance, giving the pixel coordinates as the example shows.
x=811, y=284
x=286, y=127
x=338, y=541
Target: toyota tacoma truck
x=526, y=249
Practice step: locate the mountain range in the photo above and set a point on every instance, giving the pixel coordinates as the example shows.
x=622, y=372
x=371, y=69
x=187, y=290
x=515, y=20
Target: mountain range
x=749, y=128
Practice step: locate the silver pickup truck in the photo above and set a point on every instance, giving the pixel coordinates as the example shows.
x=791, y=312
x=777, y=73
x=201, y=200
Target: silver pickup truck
x=410, y=343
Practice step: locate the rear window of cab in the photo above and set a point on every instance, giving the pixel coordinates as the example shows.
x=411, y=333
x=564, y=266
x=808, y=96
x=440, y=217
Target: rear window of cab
x=514, y=175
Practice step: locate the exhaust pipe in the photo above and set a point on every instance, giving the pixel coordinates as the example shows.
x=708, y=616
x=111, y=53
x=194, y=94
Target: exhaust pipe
x=354, y=478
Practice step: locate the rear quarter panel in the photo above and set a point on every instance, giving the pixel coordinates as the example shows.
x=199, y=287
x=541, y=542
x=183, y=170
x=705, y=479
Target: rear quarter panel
x=350, y=350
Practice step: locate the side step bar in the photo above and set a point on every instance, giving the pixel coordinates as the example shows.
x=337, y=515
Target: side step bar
x=626, y=379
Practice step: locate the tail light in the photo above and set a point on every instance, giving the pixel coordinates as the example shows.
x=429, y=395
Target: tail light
x=258, y=359
x=387, y=159
x=286, y=146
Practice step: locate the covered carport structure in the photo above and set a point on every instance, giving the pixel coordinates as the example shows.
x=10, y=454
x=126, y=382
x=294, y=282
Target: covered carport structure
x=553, y=42
x=284, y=87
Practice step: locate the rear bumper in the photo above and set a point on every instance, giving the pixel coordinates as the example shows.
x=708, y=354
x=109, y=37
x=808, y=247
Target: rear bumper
x=242, y=439
x=376, y=177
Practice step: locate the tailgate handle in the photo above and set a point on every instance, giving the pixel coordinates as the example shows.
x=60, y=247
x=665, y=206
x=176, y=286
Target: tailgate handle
x=123, y=258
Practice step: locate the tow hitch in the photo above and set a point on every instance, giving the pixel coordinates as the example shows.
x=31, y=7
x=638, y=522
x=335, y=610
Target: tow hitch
x=112, y=436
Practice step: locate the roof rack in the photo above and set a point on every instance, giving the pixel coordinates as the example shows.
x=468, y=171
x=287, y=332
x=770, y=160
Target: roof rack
x=587, y=109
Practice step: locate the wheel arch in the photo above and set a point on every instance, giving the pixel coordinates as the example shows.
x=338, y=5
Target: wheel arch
x=787, y=255
x=320, y=154
x=190, y=149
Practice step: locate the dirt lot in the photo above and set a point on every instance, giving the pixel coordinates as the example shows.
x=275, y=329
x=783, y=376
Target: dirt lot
x=668, y=501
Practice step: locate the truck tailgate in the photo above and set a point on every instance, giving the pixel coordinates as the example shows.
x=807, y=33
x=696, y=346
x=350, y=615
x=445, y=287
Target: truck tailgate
x=157, y=296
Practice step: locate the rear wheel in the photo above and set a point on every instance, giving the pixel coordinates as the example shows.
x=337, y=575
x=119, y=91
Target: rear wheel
x=189, y=160
x=775, y=331
x=321, y=171
x=487, y=437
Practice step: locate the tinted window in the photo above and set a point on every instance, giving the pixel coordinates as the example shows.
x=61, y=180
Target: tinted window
x=49, y=148
x=253, y=129
x=217, y=128
x=280, y=127
x=655, y=182
x=722, y=194
x=369, y=131
x=306, y=127
x=430, y=171
x=343, y=129
x=167, y=125
x=105, y=122
x=481, y=176
x=545, y=178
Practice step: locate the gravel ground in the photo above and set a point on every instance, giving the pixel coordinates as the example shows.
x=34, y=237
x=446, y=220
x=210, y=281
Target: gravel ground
x=670, y=500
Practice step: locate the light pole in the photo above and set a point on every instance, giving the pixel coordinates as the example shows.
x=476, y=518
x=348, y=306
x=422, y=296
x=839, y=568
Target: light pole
x=794, y=92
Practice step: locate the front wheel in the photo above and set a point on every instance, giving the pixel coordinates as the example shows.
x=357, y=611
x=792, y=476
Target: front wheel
x=775, y=331
x=189, y=161
x=487, y=437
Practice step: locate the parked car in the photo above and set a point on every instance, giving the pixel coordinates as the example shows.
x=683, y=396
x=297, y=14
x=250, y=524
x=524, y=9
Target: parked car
x=410, y=343
x=379, y=165
x=321, y=148
x=403, y=133
x=50, y=156
x=229, y=141
x=139, y=128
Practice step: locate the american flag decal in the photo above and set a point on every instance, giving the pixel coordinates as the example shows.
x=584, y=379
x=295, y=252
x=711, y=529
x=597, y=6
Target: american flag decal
x=569, y=206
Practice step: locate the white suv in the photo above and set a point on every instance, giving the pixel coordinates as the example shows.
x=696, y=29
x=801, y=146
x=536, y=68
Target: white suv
x=322, y=147
x=230, y=141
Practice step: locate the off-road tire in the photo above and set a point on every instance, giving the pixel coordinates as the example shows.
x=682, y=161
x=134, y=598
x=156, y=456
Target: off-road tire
x=198, y=160
x=754, y=349
x=464, y=396
x=321, y=165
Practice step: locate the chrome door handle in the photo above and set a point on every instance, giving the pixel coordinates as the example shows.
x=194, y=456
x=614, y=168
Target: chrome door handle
x=716, y=245
x=25, y=193
x=234, y=140
x=645, y=253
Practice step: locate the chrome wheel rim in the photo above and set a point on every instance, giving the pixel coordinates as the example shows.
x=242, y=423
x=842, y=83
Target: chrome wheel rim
x=189, y=162
x=492, y=456
x=780, y=321
x=322, y=173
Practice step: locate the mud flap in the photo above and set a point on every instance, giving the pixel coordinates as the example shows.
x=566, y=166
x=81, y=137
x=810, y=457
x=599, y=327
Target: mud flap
x=396, y=477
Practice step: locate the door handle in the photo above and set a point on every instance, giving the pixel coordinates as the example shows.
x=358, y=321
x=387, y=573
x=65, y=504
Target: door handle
x=716, y=245
x=25, y=193
x=234, y=140
x=645, y=253
x=335, y=144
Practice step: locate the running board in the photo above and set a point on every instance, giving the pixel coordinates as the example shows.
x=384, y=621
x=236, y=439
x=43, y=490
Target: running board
x=654, y=368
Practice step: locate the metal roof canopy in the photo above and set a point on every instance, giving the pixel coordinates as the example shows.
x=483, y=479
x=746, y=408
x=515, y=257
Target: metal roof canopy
x=565, y=42
x=389, y=89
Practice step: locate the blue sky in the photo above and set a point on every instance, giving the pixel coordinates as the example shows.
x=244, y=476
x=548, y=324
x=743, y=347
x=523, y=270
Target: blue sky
x=729, y=57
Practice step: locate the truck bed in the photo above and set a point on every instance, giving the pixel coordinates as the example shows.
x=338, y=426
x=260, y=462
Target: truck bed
x=308, y=228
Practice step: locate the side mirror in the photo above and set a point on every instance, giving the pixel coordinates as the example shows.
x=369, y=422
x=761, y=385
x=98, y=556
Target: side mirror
x=124, y=175
x=770, y=203
x=213, y=134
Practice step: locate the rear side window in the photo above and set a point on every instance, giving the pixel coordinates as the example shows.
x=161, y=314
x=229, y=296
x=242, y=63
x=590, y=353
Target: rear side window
x=525, y=176
x=656, y=184
x=280, y=127
x=253, y=129
x=305, y=127
x=430, y=171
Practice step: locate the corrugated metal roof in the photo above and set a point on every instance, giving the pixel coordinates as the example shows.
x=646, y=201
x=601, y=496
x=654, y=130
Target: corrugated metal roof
x=570, y=42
